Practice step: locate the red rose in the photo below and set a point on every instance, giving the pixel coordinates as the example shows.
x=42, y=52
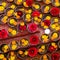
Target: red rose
x=32, y=51
x=22, y=28
x=29, y=2
x=35, y=13
x=34, y=39
x=55, y=56
x=4, y=33
x=32, y=27
x=54, y=11
x=47, y=22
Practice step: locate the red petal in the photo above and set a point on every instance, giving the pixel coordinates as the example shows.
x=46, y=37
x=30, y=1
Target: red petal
x=35, y=13
x=32, y=52
x=29, y=2
x=34, y=39
x=32, y=27
x=54, y=11
x=47, y=22
x=4, y=33
x=55, y=56
x=19, y=13
x=22, y=27
x=51, y=48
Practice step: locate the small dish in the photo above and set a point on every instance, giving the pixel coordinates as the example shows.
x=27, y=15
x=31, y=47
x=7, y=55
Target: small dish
x=24, y=42
x=22, y=53
x=54, y=36
x=45, y=8
x=45, y=57
x=47, y=1
x=12, y=55
x=12, y=22
x=45, y=38
x=12, y=31
x=42, y=49
x=5, y=48
x=13, y=45
x=53, y=47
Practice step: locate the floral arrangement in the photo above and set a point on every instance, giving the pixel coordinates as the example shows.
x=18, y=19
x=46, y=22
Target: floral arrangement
x=30, y=30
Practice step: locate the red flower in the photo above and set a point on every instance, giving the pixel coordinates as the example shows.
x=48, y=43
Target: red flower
x=55, y=56
x=54, y=11
x=32, y=52
x=22, y=28
x=4, y=33
x=51, y=48
x=20, y=13
x=29, y=2
x=34, y=39
x=32, y=27
x=35, y=13
x=47, y=22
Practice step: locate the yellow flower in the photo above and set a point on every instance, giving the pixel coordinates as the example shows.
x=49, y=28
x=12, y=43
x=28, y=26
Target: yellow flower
x=57, y=4
x=14, y=32
x=30, y=10
x=12, y=57
x=46, y=9
x=10, y=29
x=26, y=52
x=12, y=6
x=39, y=20
x=12, y=21
x=40, y=50
x=4, y=4
x=28, y=16
x=20, y=52
x=47, y=1
x=53, y=26
x=53, y=44
x=6, y=47
x=37, y=6
x=45, y=56
x=28, y=20
x=43, y=47
x=14, y=47
x=56, y=20
x=23, y=40
x=41, y=15
x=57, y=28
x=19, y=1
x=10, y=12
x=42, y=23
x=13, y=42
x=48, y=18
x=45, y=27
x=2, y=8
x=54, y=36
x=24, y=3
x=1, y=56
x=35, y=18
x=4, y=19
x=4, y=58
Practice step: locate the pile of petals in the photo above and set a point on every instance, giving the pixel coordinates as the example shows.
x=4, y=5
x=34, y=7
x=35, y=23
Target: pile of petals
x=3, y=33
